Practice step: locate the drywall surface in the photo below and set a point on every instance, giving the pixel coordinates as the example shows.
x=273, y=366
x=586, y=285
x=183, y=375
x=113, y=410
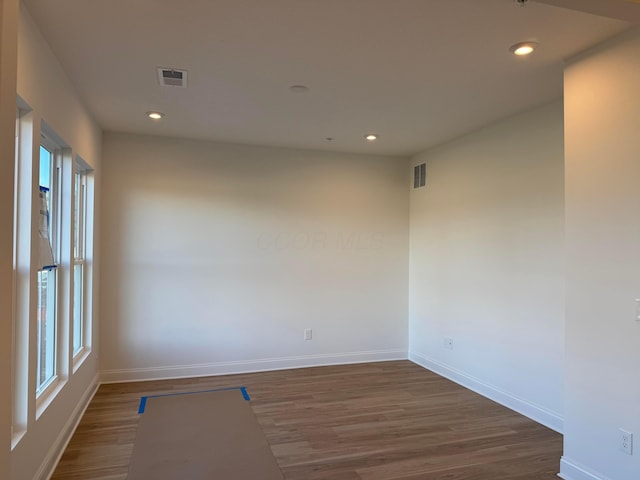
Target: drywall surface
x=602, y=108
x=219, y=256
x=45, y=87
x=52, y=100
x=486, y=263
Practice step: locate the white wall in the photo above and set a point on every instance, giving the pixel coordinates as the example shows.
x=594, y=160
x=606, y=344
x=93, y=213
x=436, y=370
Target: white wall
x=486, y=263
x=44, y=87
x=218, y=256
x=602, y=108
x=8, y=66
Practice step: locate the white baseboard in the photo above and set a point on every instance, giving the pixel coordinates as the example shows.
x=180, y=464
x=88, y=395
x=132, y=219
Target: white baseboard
x=50, y=462
x=249, y=366
x=546, y=417
x=572, y=470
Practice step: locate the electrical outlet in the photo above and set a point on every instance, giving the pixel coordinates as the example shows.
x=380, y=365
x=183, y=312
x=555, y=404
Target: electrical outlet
x=448, y=343
x=626, y=442
x=308, y=334
x=637, y=309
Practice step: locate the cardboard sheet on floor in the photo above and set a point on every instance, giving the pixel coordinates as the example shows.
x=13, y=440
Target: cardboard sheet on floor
x=201, y=436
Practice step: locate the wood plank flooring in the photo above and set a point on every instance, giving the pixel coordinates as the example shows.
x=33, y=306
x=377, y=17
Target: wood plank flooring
x=376, y=421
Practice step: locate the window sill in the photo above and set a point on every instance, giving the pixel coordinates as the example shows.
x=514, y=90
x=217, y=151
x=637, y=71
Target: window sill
x=48, y=395
x=80, y=357
x=16, y=437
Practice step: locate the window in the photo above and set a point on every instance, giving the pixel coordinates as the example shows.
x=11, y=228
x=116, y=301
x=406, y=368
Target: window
x=53, y=261
x=47, y=276
x=79, y=256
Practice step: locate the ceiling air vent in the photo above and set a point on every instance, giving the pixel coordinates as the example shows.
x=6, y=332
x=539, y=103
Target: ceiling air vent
x=170, y=77
x=420, y=175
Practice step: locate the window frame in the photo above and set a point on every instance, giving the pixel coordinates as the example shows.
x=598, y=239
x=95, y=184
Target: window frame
x=15, y=420
x=80, y=213
x=25, y=275
x=30, y=398
x=45, y=389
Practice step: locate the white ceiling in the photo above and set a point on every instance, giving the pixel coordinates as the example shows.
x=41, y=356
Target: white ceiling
x=418, y=72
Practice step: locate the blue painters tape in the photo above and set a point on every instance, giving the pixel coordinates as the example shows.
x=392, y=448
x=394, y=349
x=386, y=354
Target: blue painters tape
x=245, y=394
x=143, y=403
x=143, y=400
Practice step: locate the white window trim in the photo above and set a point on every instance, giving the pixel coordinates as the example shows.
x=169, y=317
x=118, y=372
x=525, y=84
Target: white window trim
x=42, y=390
x=24, y=275
x=16, y=433
x=29, y=400
x=86, y=206
x=48, y=391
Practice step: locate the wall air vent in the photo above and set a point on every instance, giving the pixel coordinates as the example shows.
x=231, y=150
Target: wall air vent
x=420, y=175
x=171, y=77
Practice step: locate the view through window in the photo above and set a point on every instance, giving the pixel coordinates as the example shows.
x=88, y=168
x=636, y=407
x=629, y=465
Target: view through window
x=47, y=283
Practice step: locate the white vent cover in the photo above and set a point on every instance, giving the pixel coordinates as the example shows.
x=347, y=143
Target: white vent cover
x=171, y=77
x=420, y=175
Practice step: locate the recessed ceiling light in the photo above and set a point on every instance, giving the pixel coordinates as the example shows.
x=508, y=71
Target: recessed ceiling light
x=371, y=137
x=523, y=48
x=298, y=89
x=155, y=115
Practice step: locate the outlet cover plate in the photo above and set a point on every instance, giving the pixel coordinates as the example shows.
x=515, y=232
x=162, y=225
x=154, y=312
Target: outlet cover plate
x=626, y=442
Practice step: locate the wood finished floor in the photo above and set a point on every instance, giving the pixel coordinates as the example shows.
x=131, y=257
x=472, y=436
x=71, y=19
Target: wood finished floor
x=377, y=421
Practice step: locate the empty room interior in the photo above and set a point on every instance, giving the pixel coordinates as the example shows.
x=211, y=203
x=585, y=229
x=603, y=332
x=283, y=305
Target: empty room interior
x=399, y=237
